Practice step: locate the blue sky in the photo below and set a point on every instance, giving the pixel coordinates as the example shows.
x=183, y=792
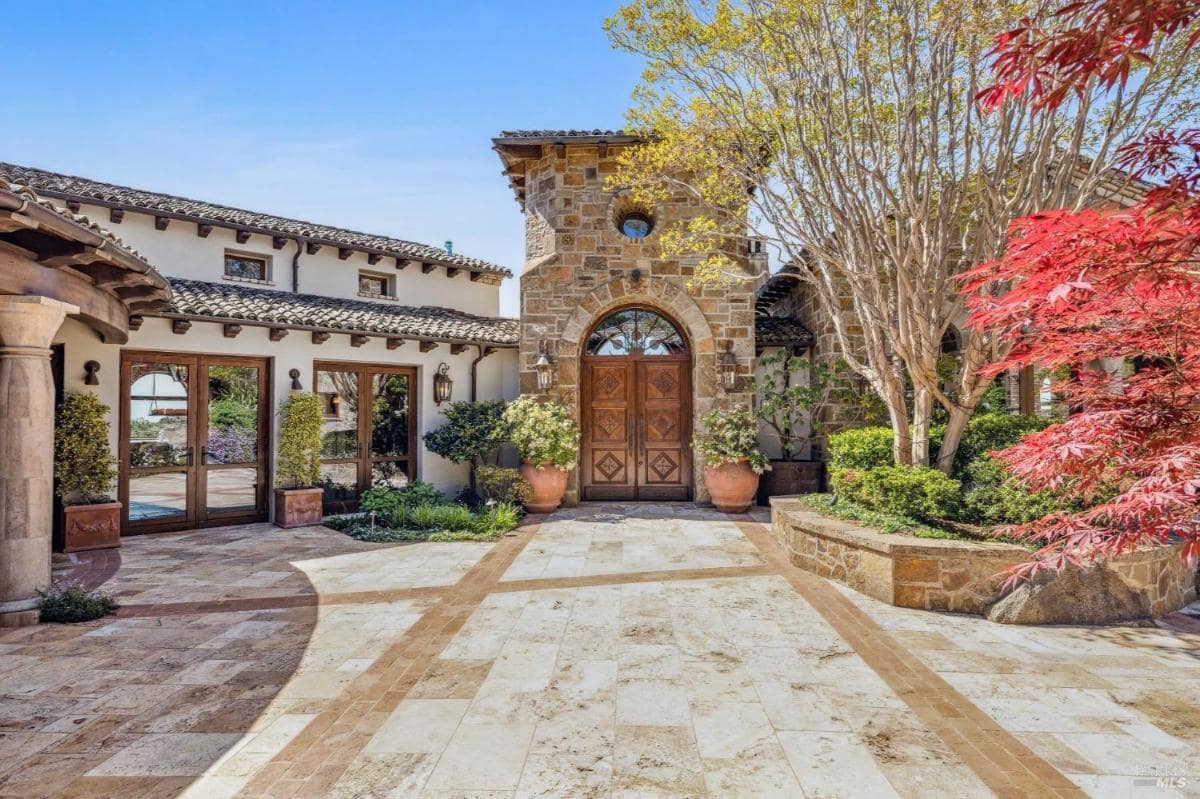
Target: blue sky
x=370, y=115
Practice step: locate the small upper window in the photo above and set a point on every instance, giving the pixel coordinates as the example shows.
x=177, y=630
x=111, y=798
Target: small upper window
x=245, y=267
x=370, y=285
x=635, y=224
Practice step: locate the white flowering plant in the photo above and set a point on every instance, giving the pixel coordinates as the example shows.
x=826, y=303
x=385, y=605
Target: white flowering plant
x=543, y=432
x=730, y=436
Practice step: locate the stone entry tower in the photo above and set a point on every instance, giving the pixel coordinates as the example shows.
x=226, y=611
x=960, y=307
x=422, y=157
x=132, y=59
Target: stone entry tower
x=589, y=252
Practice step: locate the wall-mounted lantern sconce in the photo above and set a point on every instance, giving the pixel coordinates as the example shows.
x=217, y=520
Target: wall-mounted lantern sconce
x=544, y=367
x=295, y=375
x=89, y=373
x=727, y=363
x=443, y=386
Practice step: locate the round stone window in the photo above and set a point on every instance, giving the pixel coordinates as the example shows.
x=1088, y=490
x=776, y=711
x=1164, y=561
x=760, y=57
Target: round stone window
x=635, y=224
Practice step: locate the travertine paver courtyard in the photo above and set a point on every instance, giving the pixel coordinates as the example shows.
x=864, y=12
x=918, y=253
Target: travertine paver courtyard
x=611, y=651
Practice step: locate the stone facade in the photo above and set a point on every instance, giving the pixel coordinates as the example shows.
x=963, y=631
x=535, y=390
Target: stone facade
x=949, y=575
x=580, y=267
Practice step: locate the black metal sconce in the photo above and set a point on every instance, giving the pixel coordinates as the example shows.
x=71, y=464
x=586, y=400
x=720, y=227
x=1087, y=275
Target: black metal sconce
x=443, y=386
x=727, y=363
x=544, y=366
x=295, y=375
x=89, y=373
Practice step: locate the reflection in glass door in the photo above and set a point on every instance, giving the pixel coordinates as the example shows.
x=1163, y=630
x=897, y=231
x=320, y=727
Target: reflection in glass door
x=158, y=452
x=369, y=442
x=231, y=470
x=193, y=440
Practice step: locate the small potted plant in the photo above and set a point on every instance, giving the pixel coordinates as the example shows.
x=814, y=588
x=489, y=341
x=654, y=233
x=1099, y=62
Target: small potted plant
x=548, y=440
x=298, y=492
x=732, y=459
x=85, y=469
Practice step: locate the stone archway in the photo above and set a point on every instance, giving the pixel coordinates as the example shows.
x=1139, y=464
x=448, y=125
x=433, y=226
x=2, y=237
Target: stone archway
x=652, y=293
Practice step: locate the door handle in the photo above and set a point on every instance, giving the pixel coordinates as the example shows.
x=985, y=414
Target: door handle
x=204, y=456
x=190, y=452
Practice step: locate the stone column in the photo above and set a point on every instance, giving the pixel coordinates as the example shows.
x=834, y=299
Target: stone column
x=27, y=327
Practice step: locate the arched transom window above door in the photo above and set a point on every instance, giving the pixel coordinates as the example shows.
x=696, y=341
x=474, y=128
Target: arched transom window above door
x=635, y=331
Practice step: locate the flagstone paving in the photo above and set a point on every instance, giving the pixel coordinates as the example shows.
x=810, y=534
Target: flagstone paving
x=609, y=651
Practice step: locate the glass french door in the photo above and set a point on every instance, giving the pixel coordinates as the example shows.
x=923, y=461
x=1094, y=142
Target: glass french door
x=194, y=440
x=368, y=434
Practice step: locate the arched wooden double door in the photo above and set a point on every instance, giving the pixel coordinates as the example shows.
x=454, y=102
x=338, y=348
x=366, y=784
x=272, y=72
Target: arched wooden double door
x=636, y=409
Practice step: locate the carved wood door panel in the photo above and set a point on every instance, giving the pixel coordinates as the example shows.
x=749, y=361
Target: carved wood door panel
x=663, y=460
x=636, y=428
x=609, y=462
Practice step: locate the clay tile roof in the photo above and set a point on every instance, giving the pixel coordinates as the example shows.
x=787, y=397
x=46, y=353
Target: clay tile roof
x=83, y=190
x=195, y=299
x=778, y=331
x=564, y=135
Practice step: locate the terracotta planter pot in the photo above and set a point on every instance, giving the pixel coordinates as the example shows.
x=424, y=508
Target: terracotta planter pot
x=298, y=507
x=549, y=484
x=788, y=478
x=91, y=526
x=731, y=486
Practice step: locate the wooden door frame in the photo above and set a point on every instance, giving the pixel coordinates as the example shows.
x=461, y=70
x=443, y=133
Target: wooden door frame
x=363, y=372
x=263, y=466
x=195, y=514
x=637, y=440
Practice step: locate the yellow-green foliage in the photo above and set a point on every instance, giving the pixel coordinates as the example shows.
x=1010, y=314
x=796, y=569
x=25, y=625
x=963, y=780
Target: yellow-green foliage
x=83, y=462
x=299, y=463
x=543, y=432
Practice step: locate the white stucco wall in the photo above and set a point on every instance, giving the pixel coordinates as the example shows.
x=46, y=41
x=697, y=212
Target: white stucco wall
x=179, y=252
x=496, y=373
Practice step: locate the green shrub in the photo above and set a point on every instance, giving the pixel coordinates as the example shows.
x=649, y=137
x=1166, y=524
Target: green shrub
x=391, y=503
x=861, y=448
x=729, y=436
x=993, y=496
x=472, y=433
x=497, y=484
x=429, y=522
x=914, y=491
x=73, y=604
x=841, y=508
x=991, y=431
x=83, y=462
x=299, y=464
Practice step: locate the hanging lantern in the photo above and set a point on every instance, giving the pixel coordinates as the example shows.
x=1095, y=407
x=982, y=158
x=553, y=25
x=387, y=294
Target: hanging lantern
x=544, y=368
x=443, y=386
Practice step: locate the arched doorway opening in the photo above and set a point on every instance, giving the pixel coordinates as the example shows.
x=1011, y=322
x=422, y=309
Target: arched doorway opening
x=636, y=388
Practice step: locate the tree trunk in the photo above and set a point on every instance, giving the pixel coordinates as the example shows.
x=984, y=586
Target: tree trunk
x=898, y=414
x=922, y=412
x=954, y=431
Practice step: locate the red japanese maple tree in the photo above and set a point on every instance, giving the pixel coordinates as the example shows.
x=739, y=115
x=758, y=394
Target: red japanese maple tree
x=1123, y=284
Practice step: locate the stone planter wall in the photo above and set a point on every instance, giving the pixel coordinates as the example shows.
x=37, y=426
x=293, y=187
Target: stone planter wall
x=959, y=576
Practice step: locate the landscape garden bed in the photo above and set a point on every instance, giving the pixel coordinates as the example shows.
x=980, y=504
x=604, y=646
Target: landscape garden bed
x=419, y=512
x=966, y=576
